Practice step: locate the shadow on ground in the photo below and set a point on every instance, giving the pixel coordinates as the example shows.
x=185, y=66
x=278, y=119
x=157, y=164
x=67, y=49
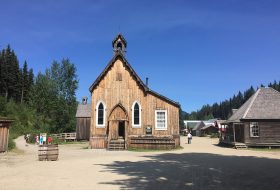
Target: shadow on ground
x=198, y=171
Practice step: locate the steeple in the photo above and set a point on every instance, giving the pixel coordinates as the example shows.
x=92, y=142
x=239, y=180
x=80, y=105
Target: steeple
x=119, y=44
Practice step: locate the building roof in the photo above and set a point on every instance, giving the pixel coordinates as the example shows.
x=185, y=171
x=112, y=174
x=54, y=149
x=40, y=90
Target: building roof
x=208, y=125
x=119, y=56
x=5, y=119
x=83, y=110
x=263, y=105
x=199, y=125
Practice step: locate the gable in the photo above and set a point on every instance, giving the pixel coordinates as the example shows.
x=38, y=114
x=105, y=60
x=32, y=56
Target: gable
x=119, y=57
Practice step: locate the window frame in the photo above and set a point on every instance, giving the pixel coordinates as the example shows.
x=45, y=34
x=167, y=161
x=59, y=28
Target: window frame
x=252, y=126
x=156, y=121
x=104, y=115
x=132, y=115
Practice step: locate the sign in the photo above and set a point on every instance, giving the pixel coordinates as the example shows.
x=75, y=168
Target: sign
x=149, y=130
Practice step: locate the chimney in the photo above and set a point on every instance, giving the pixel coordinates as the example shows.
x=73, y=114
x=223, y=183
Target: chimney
x=147, y=81
x=233, y=111
x=84, y=100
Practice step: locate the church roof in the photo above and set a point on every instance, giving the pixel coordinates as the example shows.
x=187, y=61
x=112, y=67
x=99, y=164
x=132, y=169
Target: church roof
x=263, y=105
x=120, y=56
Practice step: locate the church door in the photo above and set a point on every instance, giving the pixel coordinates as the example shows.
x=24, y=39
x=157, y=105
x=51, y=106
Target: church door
x=117, y=123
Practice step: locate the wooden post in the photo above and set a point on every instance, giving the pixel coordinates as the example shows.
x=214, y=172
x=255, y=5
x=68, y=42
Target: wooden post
x=234, y=132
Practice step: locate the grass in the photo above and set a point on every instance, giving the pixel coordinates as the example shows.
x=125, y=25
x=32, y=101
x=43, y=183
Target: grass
x=71, y=142
x=153, y=150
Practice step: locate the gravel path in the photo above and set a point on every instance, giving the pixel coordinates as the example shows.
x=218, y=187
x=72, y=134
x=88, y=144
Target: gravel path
x=200, y=165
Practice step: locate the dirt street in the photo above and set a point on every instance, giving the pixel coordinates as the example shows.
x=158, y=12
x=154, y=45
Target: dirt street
x=200, y=165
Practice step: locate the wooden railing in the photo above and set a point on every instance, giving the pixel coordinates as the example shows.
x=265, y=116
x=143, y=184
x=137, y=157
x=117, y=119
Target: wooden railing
x=65, y=136
x=152, y=142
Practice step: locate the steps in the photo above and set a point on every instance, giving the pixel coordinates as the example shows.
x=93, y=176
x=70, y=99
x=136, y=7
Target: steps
x=116, y=145
x=240, y=146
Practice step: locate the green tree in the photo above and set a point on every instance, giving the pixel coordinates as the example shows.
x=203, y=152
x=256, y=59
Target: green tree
x=181, y=118
x=54, y=97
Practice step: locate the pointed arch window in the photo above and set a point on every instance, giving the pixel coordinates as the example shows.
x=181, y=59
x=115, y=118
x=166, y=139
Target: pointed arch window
x=136, y=115
x=100, y=114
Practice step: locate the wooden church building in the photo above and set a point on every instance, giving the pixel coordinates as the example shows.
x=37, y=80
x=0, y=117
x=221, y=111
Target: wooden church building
x=126, y=113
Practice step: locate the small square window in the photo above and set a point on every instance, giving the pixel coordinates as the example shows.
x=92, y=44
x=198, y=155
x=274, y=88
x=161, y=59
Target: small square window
x=254, y=129
x=119, y=77
x=161, y=120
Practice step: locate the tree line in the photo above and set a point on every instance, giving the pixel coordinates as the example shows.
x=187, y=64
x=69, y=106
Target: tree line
x=223, y=110
x=15, y=82
x=43, y=103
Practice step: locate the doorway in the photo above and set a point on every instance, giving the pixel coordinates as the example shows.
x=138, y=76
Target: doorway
x=239, y=133
x=122, y=129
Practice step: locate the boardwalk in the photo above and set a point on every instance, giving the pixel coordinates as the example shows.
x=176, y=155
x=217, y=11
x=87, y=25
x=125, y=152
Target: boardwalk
x=201, y=165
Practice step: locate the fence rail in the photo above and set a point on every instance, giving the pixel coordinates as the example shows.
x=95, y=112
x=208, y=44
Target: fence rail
x=65, y=136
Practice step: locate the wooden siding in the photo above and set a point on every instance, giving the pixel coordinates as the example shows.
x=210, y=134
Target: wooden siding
x=125, y=92
x=269, y=133
x=83, y=128
x=4, y=135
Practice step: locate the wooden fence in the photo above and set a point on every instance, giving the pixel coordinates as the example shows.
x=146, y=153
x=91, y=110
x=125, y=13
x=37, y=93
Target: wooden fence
x=65, y=136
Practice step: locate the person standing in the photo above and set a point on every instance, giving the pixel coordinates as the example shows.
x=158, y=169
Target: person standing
x=37, y=139
x=50, y=140
x=41, y=140
x=189, y=138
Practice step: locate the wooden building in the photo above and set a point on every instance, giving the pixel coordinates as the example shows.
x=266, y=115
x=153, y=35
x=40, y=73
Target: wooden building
x=83, y=117
x=209, y=129
x=4, y=133
x=196, y=131
x=256, y=122
x=126, y=113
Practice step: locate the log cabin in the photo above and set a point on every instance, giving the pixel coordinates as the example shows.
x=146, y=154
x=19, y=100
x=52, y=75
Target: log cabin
x=256, y=122
x=126, y=113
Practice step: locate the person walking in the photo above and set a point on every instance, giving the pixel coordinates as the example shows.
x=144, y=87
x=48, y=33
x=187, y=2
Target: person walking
x=189, y=138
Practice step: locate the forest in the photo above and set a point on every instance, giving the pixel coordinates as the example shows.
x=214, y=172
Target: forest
x=43, y=103
x=223, y=110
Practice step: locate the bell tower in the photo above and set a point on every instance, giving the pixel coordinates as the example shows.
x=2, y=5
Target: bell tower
x=119, y=44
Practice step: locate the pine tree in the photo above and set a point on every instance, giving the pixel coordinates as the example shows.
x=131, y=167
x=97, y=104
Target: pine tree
x=24, y=83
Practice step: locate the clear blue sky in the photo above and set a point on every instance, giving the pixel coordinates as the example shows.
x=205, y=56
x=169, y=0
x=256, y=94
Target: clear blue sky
x=194, y=51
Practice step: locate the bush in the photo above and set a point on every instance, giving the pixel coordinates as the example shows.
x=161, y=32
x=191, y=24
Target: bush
x=214, y=135
x=11, y=143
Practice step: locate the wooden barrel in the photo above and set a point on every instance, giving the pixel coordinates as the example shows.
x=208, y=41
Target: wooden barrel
x=52, y=152
x=42, y=152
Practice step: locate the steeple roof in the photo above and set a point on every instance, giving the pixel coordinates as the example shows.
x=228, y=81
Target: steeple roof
x=119, y=36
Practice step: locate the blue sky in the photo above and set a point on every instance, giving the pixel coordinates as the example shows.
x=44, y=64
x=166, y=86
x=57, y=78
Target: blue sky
x=195, y=52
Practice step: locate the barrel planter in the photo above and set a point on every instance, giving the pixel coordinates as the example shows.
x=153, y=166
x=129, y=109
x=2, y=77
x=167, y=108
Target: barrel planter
x=42, y=152
x=48, y=152
x=52, y=152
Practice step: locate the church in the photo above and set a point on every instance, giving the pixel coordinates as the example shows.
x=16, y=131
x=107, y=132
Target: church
x=126, y=113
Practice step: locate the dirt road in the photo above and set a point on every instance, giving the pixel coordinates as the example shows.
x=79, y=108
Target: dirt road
x=200, y=165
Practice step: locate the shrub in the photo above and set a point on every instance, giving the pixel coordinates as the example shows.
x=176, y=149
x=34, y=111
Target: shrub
x=214, y=135
x=11, y=143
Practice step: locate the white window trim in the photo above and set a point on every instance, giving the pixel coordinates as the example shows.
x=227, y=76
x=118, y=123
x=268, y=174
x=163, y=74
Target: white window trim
x=166, y=120
x=140, y=110
x=251, y=129
x=96, y=115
